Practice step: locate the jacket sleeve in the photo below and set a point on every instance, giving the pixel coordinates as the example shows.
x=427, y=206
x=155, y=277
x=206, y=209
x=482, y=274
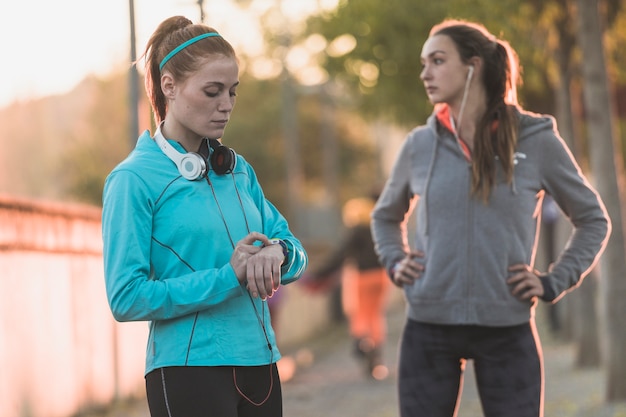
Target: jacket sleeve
x=582, y=205
x=276, y=226
x=390, y=215
x=132, y=291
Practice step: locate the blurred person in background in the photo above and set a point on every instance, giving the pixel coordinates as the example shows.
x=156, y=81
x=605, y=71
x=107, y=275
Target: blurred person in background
x=192, y=245
x=476, y=173
x=364, y=285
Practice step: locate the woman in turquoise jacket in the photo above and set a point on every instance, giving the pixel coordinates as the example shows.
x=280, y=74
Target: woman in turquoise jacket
x=191, y=244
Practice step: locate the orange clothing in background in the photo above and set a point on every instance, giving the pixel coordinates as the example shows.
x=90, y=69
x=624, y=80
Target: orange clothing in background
x=364, y=299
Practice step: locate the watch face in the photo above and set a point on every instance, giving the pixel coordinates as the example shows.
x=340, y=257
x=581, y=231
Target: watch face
x=276, y=241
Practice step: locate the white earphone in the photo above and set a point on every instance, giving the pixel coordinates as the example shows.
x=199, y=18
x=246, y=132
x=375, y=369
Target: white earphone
x=470, y=72
x=190, y=165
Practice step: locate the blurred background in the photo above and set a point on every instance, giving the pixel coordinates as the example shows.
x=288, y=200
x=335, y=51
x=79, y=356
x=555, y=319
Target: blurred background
x=329, y=89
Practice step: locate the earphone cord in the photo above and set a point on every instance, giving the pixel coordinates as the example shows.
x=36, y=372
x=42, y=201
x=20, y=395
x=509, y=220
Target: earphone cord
x=463, y=101
x=269, y=346
x=256, y=312
x=219, y=207
x=245, y=218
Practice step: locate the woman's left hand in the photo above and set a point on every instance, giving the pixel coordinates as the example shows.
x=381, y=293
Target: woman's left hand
x=526, y=284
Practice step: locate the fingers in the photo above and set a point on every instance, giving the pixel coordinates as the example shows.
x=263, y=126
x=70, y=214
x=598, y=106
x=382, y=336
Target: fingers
x=256, y=286
x=525, y=284
x=244, y=249
x=263, y=277
x=409, y=269
x=258, y=266
x=263, y=271
x=253, y=237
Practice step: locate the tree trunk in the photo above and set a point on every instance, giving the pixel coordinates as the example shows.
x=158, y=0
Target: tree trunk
x=562, y=315
x=581, y=320
x=586, y=332
x=605, y=157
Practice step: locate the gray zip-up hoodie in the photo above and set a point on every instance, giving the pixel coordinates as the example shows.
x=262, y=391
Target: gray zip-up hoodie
x=469, y=244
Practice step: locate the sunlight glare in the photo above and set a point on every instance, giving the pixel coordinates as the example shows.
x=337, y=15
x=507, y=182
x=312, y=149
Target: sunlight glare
x=297, y=58
x=75, y=38
x=341, y=45
x=326, y=5
x=368, y=74
x=315, y=43
x=265, y=68
x=312, y=76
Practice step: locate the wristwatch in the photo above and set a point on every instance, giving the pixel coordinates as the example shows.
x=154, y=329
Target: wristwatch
x=276, y=241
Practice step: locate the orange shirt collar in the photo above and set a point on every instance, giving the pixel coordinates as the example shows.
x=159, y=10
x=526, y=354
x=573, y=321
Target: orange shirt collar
x=443, y=116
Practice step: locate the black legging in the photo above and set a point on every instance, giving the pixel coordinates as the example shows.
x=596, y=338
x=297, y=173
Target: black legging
x=224, y=391
x=507, y=364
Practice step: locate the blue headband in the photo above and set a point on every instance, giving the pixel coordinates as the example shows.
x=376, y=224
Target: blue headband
x=184, y=45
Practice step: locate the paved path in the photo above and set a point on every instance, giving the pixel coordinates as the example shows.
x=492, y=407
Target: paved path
x=329, y=382
x=334, y=384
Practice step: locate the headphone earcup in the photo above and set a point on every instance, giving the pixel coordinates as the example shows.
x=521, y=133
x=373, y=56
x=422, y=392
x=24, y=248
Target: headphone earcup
x=222, y=158
x=192, y=166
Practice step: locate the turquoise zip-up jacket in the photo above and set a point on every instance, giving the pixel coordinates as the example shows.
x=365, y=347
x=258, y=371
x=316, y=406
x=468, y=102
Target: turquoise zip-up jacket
x=469, y=244
x=167, y=248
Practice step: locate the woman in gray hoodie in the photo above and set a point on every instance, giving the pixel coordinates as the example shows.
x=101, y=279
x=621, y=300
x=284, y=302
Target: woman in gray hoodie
x=476, y=173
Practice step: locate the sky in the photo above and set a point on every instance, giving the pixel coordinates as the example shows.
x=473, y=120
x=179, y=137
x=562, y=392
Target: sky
x=49, y=46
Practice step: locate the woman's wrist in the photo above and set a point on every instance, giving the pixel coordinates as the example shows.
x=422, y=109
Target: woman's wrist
x=283, y=245
x=392, y=271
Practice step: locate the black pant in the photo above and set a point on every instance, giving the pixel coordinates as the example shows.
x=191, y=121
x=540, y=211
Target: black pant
x=220, y=391
x=507, y=361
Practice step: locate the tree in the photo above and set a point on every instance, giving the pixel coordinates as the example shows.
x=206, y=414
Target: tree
x=557, y=25
x=72, y=141
x=382, y=69
x=255, y=131
x=608, y=167
x=98, y=142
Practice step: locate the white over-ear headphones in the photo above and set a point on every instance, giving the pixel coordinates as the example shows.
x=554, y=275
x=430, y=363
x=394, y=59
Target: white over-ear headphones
x=190, y=165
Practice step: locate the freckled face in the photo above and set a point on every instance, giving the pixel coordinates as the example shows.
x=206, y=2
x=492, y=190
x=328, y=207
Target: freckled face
x=443, y=72
x=202, y=104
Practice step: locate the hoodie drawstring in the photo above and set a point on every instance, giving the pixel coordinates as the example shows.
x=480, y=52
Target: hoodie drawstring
x=431, y=167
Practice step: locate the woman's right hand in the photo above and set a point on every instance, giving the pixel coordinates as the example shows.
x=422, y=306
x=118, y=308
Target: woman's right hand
x=244, y=249
x=258, y=266
x=408, y=269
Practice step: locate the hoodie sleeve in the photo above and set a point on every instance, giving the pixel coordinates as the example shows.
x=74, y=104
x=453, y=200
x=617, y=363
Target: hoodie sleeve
x=581, y=204
x=390, y=215
x=132, y=291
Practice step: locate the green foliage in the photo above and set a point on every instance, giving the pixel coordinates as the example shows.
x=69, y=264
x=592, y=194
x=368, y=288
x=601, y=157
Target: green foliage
x=93, y=138
x=97, y=141
x=73, y=141
x=71, y=155
x=390, y=35
x=256, y=132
